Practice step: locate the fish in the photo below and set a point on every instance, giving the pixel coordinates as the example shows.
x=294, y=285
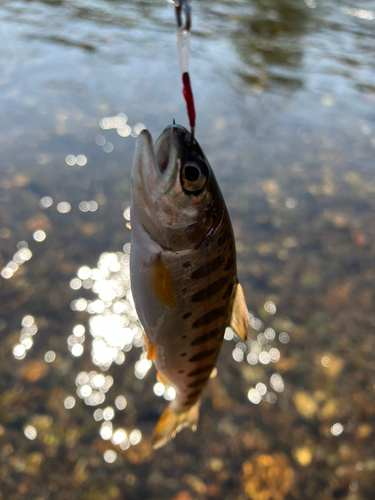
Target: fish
x=182, y=269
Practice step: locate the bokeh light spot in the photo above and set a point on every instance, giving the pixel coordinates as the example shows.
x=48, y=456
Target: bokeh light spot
x=98, y=414
x=79, y=330
x=169, y=393
x=254, y=396
x=81, y=160
x=270, y=307
x=284, y=338
x=110, y=456
x=337, y=429
x=30, y=432
x=108, y=413
x=159, y=389
x=39, y=235
x=77, y=350
x=120, y=402
x=45, y=202
x=119, y=436
x=19, y=351
x=64, y=207
x=135, y=437
x=49, y=356
x=106, y=431
x=71, y=160
x=69, y=402
x=75, y=284
x=277, y=382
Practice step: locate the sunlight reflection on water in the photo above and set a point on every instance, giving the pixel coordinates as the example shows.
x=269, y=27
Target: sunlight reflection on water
x=115, y=329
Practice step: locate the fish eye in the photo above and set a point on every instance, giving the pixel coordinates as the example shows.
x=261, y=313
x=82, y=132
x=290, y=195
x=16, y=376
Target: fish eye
x=194, y=174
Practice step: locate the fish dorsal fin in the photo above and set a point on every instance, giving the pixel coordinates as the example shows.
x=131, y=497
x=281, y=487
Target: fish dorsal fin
x=239, y=318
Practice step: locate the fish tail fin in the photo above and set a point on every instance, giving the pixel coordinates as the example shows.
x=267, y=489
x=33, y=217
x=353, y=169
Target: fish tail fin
x=174, y=419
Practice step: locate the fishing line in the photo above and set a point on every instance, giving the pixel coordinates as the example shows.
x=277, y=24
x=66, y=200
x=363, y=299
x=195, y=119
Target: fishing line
x=183, y=50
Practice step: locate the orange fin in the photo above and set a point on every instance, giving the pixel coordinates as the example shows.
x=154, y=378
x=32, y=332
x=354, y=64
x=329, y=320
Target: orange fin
x=173, y=420
x=150, y=348
x=162, y=284
x=162, y=378
x=239, y=319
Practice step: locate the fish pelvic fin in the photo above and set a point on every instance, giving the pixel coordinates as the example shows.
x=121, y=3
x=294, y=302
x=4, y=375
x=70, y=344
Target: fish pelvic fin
x=163, y=379
x=174, y=419
x=150, y=348
x=239, y=319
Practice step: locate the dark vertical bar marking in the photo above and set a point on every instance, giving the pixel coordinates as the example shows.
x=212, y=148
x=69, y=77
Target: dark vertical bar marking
x=210, y=291
x=202, y=355
x=200, y=371
x=209, y=317
x=206, y=336
x=208, y=268
x=198, y=382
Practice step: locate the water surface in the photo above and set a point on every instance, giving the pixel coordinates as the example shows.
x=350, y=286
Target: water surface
x=285, y=99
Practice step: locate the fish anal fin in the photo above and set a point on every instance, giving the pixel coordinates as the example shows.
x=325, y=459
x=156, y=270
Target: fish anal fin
x=150, y=348
x=163, y=379
x=173, y=420
x=239, y=318
x=162, y=284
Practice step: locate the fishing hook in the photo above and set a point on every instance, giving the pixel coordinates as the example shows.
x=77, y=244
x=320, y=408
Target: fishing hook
x=183, y=5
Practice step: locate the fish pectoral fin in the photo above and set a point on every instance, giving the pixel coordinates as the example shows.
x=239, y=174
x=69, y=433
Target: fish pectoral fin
x=239, y=318
x=163, y=379
x=173, y=420
x=162, y=284
x=150, y=348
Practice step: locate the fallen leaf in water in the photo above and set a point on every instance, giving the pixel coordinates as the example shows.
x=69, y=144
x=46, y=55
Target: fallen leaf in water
x=80, y=473
x=195, y=483
x=303, y=455
x=363, y=431
x=33, y=462
x=338, y=295
x=34, y=370
x=140, y=453
x=21, y=180
x=329, y=410
x=270, y=186
x=329, y=363
x=40, y=221
x=183, y=495
x=88, y=228
x=268, y=477
x=305, y=404
x=359, y=238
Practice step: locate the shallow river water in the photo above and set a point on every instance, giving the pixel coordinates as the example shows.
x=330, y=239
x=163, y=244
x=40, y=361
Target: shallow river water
x=285, y=100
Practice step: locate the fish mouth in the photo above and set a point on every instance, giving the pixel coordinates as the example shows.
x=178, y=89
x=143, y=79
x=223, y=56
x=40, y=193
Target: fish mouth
x=171, y=146
x=156, y=167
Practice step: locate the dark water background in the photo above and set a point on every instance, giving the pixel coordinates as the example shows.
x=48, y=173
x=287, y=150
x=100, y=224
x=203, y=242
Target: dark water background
x=285, y=100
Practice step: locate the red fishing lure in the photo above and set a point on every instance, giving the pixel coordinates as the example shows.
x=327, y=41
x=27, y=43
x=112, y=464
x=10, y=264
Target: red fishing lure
x=188, y=95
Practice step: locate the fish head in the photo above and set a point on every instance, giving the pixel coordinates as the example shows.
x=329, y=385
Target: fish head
x=175, y=195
